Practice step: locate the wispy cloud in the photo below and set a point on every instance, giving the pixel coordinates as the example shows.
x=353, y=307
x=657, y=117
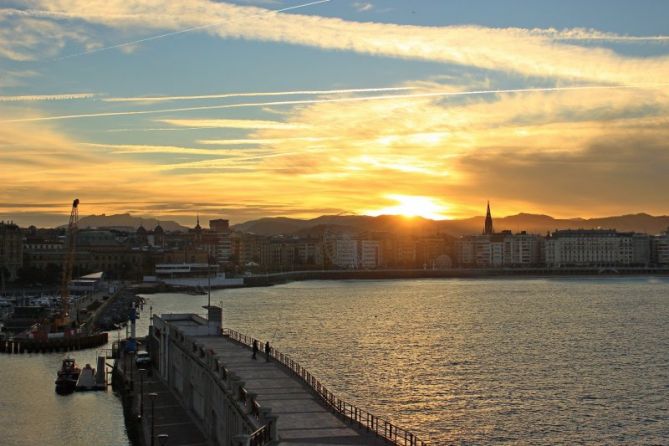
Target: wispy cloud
x=252, y=141
x=525, y=150
x=150, y=99
x=47, y=97
x=137, y=149
x=230, y=123
x=576, y=34
x=363, y=6
x=428, y=94
x=134, y=43
x=26, y=38
x=523, y=51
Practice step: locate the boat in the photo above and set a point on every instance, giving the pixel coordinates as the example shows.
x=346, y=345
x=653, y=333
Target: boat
x=87, y=380
x=66, y=382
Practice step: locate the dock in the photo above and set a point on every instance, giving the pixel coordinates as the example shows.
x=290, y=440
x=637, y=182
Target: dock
x=302, y=416
x=205, y=382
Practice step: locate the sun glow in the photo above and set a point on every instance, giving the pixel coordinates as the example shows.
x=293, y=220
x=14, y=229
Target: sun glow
x=413, y=206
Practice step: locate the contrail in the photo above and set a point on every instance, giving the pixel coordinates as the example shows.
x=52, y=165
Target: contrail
x=174, y=33
x=243, y=95
x=47, y=97
x=60, y=14
x=336, y=100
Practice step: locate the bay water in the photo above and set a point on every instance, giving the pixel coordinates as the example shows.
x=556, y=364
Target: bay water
x=456, y=361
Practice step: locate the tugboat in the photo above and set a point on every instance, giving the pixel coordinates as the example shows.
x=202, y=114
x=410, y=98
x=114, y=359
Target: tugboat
x=67, y=378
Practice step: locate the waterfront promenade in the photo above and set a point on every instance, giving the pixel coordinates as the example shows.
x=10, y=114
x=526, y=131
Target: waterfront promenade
x=303, y=419
x=154, y=408
x=235, y=399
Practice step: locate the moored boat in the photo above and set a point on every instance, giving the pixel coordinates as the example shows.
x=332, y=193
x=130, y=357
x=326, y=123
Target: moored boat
x=67, y=378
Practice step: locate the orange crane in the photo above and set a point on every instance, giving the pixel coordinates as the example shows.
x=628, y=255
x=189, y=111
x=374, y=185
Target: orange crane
x=63, y=319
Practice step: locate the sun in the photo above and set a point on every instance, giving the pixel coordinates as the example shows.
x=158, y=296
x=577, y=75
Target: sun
x=413, y=206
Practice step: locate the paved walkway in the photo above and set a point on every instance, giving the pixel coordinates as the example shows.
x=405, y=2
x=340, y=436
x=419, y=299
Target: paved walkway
x=303, y=419
x=170, y=416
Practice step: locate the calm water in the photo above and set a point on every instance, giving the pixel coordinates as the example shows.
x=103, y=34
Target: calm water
x=555, y=361
x=33, y=414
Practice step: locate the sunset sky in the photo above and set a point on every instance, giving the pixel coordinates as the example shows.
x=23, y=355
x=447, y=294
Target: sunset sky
x=247, y=109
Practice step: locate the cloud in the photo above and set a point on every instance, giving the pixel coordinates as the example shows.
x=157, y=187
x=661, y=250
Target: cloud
x=27, y=38
x=436, y=93
x=252, y=141
x=230, y=123
x=483, y=146
x=143, y=149
x=558, y=152
x=363, y=6
x=576, y=34
x=541, y=53
x=153, y=99
x=47, y=97
x=15, y=78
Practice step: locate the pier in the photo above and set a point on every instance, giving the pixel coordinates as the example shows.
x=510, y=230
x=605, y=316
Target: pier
x=205, y=381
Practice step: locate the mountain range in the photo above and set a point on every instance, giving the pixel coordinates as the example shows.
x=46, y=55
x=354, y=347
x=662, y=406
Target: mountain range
x=532, y=223
x=128, y=221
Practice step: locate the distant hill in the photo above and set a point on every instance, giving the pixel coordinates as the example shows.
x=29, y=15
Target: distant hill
x=542, y=223
x=532, y=223
x=338, y=223
x=127, y=220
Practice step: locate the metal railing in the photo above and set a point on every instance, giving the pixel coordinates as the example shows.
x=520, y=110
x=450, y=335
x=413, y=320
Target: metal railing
x=239, y=399
x=262, y=436
x=365, y=420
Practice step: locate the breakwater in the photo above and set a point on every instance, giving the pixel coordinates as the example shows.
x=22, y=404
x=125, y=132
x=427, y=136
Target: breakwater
x=240, y=398
x=381, y=428
x=463, y=273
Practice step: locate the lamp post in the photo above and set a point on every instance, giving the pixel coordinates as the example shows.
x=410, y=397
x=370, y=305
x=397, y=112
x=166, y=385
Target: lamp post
x=132, y=361
x=153, y=396
x=141, y=392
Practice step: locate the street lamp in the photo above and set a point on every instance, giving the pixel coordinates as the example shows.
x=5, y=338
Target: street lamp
x=162, y=439
x=153, y=396
x=132, y=361
x=141, y=392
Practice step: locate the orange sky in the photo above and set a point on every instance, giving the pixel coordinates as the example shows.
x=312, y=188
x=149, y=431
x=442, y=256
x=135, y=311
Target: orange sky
x=427, y=136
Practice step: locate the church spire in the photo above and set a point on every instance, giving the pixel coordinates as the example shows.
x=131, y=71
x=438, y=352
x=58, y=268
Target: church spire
x=488, y=229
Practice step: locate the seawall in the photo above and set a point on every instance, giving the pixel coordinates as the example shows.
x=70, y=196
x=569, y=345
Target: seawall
x=465, y=273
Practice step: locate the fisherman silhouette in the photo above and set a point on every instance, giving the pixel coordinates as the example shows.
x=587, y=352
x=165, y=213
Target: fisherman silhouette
x=267, y=351
x=255, y=349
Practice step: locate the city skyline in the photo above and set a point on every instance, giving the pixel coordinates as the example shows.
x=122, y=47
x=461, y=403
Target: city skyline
x=235, y=109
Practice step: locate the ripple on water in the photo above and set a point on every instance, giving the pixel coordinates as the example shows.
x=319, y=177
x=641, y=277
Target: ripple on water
x=531, y=361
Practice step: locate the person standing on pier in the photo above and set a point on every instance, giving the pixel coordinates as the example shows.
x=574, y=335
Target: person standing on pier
x=255, y=349
x=267, y=350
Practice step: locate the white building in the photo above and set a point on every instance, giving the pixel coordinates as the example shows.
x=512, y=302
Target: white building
x=345, y=253
x=370, y=254
x=597, y=247
x=661, y=248
x=503, y=249
x=192, y=275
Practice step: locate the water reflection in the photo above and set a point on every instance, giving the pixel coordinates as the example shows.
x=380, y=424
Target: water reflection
x=543, y=361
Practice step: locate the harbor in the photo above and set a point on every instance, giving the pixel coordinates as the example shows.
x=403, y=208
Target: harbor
x=405, y=373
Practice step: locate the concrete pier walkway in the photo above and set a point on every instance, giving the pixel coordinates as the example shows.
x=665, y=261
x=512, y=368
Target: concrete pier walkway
x=303, y=419
x=163, y=413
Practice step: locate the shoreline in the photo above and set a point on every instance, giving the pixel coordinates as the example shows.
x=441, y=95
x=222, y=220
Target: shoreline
x=271, y=279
